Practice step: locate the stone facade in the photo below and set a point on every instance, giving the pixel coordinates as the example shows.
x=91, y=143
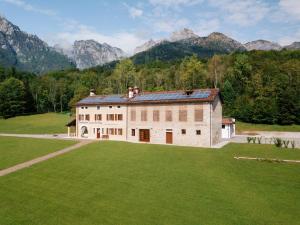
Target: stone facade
x=196, y=124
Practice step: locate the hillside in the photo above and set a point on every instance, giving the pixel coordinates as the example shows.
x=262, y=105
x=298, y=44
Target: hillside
x=28, y=52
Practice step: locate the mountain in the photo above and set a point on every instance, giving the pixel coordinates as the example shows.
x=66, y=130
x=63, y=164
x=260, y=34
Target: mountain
x=182, y=35
x=293, y=46
x=90, y=53
x=262, y=45
x=144, y=47
x=185, y=43
x=28, y=52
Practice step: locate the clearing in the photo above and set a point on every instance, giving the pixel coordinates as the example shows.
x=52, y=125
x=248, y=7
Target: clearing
x=123, y=183
x=48, y=123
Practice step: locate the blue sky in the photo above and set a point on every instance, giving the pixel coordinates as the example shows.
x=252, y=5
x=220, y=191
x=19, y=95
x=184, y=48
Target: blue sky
x=129, y=23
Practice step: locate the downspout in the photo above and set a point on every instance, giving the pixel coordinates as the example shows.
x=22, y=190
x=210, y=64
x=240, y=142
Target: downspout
x=127, y=122
x=210, y=124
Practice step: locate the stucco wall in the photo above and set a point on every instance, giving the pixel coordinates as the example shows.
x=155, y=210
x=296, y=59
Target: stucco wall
x=92, y=124
x=158, y=129
x=216, y=121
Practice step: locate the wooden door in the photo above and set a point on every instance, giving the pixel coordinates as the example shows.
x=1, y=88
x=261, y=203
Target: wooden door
x=169, y=137
x=144, y=135
x=98, y=133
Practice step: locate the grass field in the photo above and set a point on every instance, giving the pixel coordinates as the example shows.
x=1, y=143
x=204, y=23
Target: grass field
x=17, y=150
x=241, y=126
x=48, y=123
x=123, y=183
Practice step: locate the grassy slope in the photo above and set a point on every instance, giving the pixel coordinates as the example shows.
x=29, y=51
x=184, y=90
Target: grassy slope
x=47, y=123
x=240, y=126
x=122, y=183
x=16, y=150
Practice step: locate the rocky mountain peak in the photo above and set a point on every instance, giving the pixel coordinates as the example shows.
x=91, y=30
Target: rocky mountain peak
x=182, y=34
x=90, y=53
x=7, y=27
x=262, y=45
x=144, y=47
x=293, y=46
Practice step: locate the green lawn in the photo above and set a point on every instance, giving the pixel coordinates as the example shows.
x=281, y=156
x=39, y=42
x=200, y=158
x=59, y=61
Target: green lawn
x=241, y=126
x=17, y=150
x=123, y=183
x=48, y=123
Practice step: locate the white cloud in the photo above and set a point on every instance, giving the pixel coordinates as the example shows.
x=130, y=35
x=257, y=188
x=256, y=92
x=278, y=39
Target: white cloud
x=174, y=3
x=170, y=24
x=287, y=40
x=205, y=27
x=291, y=8
x=135, y=12
x=73, y=31
x=243, y=13
x=28, y=7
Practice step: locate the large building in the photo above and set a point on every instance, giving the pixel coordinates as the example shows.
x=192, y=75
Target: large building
x=187, y=118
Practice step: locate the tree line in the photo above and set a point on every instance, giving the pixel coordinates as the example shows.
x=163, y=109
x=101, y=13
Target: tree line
x=256, y=86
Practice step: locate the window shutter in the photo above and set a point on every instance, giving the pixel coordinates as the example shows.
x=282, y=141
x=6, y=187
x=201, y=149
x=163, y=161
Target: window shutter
x=199, y=113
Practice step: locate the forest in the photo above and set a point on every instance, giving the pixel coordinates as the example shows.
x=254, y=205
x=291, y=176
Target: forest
x=256, y=86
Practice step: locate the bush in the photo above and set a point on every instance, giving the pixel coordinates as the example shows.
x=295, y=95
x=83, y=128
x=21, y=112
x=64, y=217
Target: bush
x=293, y=143
x=286, y=143
x=249, y=139
x=259, y=140
x=278, y=142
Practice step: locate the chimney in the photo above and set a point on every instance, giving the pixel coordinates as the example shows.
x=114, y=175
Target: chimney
x=92, y=92
x=136, y=90
x=130, y=92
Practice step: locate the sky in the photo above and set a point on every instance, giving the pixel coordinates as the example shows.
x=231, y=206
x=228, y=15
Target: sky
x=130, y=23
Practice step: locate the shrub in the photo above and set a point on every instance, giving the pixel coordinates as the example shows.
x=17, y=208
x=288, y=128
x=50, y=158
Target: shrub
x=277, y=142
x=286, y=143
x=293, y=143
x=259, y=140
x=249, y=139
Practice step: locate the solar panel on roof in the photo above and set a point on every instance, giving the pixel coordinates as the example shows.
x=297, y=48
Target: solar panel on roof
x=171, y=96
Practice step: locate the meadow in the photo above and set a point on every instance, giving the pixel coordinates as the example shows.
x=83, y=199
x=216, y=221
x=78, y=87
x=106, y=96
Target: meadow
x=242, y=127
x=14, y=150
x=47, y=123
x=123, y=183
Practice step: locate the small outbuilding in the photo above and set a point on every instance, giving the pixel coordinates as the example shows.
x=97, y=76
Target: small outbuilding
x=71, y=128
x=228, y=128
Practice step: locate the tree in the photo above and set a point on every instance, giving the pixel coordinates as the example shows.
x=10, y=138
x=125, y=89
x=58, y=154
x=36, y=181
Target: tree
x=12, y=97
x=192, y=73
x=216, y=70
x=124, y=75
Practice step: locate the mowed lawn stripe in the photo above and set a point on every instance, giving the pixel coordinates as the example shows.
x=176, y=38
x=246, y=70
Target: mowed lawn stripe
x=123, y=183
x=15, y=150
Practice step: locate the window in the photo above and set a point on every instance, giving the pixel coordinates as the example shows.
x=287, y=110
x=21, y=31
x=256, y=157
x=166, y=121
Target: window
x=110, y=106
x=84, y=132
x=132, y=132
x=80, y=117
x=144, y=115
x=82, y=107
x=120, y=131
x=98, y=117
x=98, y=107
x=110, y=117
x=168, y=115
x=87, y=117
x=86, y=107
x=133, y=115
x=199, y=113
x=183, y=131
x=120, y=117
x=198, y=132
x=182, y=115
x=119, y=106
x=223, y=126
x=156, y=115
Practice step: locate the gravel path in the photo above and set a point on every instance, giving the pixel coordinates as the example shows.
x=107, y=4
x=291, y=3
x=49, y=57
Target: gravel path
x=42, y=158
